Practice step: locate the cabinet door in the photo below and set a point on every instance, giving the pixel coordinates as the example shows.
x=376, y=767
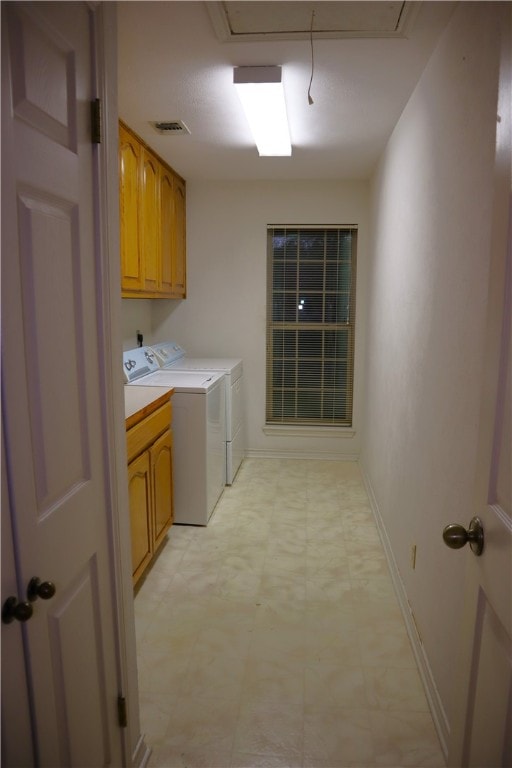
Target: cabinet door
x=161, y=468
x=139, y=490
x=167, y=216
x=150, y=225
x=179, y=287
x=132, y=277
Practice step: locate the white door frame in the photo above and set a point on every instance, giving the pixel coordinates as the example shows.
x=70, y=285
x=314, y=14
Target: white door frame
x=135, y=749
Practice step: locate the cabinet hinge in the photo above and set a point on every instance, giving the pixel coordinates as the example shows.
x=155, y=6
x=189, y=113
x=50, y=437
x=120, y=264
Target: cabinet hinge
x=121, y=712
x=96, y=121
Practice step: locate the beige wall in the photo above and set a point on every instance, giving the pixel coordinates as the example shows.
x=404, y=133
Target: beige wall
x=224, y=314
x=136, y=317
x=431, y=203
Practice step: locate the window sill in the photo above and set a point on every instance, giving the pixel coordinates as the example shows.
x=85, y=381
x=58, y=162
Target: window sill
x=284, y=430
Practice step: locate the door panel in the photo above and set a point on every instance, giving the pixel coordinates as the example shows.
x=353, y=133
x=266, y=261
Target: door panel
x=489, y=733
x=17, y=748
x=161, y=465
x=151, y=221
x=56, y=457
x=487, y=726
x=168, y=219
x=482, y=721
x=129, y=194
x=180, y=245
x=39, y=54
x=140, y=513
x=73, y=623
x=60, y=436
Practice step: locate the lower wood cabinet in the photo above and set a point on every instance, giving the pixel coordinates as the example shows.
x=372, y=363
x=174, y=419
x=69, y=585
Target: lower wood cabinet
x=160, y=461
x=150, y=484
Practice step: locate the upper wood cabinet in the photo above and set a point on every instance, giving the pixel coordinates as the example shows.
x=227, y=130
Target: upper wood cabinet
x=153, y=222
x=173, y=243
x=130, y=159
x=178, y=260
x=149, y=210
x=168, y=220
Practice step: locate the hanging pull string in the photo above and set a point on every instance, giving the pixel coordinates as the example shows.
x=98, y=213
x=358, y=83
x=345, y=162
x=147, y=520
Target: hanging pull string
x=310, y=98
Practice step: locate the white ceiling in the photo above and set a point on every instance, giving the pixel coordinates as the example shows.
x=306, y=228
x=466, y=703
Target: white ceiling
x=174, y=66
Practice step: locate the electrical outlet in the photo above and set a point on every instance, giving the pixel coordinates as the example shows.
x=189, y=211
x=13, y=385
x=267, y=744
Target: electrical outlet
x=413, y=556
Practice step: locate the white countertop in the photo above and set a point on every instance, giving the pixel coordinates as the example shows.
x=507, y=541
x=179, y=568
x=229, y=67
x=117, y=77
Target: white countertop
x=137, y=398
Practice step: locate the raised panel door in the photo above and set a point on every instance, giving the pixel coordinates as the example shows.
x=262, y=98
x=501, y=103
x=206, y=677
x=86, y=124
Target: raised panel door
x=161, y=465
x=167, y=215
x=179, y=275
x=150, y=209
x=139, y=492
x=481, y=729
x=57, y=455
x=132, y=273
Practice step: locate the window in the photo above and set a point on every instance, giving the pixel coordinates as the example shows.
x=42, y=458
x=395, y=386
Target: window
x=310, y=325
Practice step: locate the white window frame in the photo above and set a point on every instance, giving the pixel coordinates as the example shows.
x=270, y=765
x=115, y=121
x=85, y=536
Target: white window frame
x=328, y=419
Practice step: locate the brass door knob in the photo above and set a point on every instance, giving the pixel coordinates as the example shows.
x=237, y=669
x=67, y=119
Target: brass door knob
x=456, y=536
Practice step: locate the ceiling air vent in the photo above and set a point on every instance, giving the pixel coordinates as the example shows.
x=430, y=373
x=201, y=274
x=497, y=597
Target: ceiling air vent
x=170, y=127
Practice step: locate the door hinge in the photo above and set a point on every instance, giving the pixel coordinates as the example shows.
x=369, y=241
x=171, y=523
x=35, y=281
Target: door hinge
x=121, y=712
x=96, y=121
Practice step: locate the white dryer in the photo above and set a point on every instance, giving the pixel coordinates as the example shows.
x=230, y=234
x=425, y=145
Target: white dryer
x=199, y=432
x=172, y=356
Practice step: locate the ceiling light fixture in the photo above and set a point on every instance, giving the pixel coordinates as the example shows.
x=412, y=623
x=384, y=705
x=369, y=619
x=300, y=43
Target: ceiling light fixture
x=262, y=95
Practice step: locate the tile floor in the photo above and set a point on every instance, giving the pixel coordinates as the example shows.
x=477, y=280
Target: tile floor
x=273, y=636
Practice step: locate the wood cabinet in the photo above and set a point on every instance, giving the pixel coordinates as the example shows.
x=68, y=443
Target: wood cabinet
x=178, y=260
x=130, y=158
x=173, y=234
x=150, y=482
x=160, y=455
x=139, y=492
x=168, y=226
x=153, y=222
x=150, y=222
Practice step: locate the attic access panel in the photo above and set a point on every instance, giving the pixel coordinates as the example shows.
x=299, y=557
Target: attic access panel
x=270, y=20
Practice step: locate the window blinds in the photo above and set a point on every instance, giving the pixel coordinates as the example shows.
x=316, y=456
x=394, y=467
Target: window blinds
x=310, y=325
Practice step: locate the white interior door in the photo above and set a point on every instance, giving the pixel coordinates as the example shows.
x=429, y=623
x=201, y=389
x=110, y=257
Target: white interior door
x=55, y=451
x=482, y=724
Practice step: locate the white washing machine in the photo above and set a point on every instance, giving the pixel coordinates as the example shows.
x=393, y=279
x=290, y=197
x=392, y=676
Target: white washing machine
x=172, y=356
x=199, y=432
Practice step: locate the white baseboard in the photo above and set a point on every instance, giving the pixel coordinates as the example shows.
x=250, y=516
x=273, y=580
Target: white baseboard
x=434, y=700
x=264, y=453
x=141, y=755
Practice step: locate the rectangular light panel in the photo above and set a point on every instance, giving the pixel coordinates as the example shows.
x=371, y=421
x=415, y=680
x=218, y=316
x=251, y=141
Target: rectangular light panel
x=262, y=95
